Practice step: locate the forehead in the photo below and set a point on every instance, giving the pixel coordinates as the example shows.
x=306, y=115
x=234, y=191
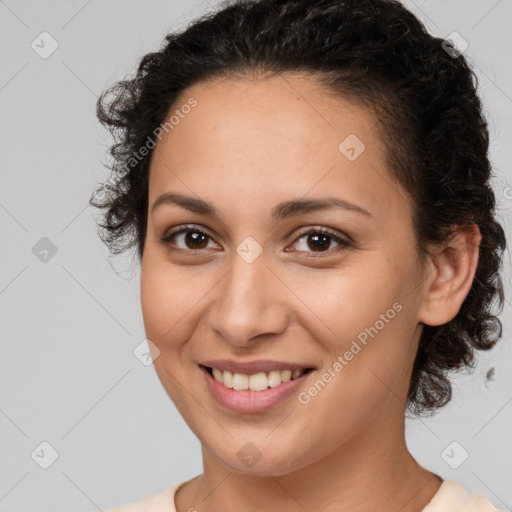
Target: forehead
x=287, y=134
x=296, y=107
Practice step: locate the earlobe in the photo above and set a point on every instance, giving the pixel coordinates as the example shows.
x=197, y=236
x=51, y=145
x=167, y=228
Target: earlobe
x=454, y=268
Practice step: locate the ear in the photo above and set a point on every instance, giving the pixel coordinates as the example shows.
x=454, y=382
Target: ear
x=452, y=270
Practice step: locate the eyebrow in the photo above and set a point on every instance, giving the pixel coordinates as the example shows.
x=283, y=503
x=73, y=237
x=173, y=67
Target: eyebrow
x=278, y=213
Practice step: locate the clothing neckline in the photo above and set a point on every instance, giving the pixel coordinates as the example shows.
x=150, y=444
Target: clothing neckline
x=176, y=488
x=441, y=490
x=449, y=491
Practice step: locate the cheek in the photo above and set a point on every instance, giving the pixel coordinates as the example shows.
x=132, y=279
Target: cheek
x=363, y=375
x=169, y=304
x=366, y=320
x=342, y=303
x=169, y=300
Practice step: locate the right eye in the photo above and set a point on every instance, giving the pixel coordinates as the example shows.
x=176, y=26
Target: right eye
x=194, y=239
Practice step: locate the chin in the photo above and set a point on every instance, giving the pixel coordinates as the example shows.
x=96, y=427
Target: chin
x=247, y=458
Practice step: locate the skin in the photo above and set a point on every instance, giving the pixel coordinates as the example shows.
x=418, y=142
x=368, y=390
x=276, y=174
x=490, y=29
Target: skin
x=345, y=449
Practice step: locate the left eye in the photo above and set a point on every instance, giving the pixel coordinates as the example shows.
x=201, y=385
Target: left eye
x=195, y=240
x=319, y=238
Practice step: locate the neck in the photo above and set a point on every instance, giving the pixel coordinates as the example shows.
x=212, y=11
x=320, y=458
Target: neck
x=373, y=470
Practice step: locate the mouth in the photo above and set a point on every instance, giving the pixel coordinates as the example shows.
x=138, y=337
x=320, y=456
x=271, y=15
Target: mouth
x=254, y=393
x=258, y=381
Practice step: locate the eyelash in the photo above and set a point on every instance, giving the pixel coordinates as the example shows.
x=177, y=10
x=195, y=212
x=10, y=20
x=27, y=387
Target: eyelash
x=344, y=244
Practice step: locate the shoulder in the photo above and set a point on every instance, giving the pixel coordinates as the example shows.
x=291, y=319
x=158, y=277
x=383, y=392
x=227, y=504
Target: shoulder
x=454, y=497
x=161, y=502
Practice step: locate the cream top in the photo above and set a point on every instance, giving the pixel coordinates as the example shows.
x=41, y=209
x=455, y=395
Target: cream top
x=451, y=496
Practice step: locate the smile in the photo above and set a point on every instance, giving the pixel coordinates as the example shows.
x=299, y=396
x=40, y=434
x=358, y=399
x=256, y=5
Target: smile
x=254, y=393
x=255, y=382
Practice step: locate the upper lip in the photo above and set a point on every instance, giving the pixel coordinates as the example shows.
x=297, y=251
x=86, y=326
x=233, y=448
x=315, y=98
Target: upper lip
x=250, y=367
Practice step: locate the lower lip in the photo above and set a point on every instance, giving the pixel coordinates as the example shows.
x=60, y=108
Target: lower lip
x=248, y=401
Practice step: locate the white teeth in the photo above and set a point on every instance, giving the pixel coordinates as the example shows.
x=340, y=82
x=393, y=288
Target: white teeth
x=256, y=382
x=274, y=378
x=217, y=374
x=286, y=375
x=228, y=379
x=240, y=381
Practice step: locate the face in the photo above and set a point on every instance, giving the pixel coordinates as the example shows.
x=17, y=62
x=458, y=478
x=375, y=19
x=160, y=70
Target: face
x=334, y=289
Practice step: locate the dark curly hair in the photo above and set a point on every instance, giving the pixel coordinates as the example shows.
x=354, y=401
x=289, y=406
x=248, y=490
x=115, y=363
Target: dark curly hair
x=376, y=53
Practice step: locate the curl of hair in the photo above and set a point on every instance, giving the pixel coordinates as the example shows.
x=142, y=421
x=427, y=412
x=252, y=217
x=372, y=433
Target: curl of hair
x=374, y=52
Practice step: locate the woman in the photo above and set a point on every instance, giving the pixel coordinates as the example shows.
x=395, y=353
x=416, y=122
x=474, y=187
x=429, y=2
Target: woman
x=307, y=186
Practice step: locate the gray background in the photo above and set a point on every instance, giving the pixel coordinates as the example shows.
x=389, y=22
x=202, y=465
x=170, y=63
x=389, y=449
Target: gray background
x=68, y=375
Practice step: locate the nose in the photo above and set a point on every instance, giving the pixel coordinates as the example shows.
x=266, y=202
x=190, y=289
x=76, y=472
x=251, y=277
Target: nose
x=249, y=304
